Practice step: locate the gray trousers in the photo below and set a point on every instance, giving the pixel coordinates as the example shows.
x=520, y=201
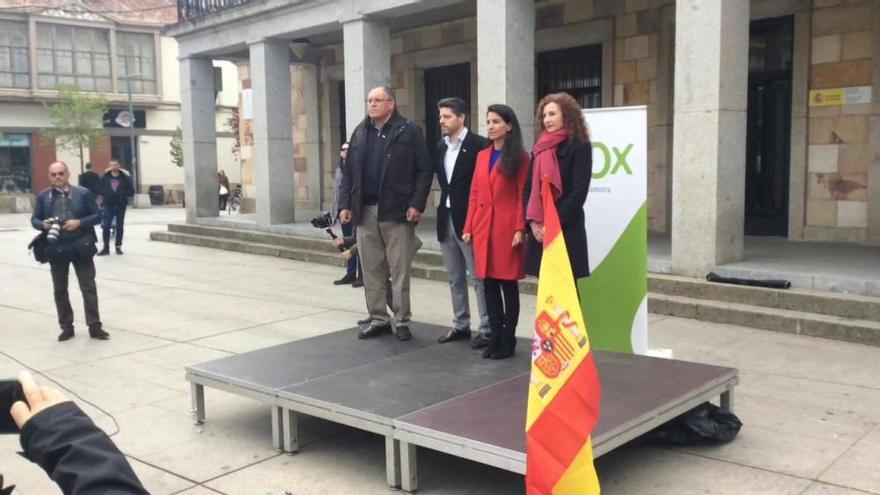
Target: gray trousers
x=386, y=247
x=459, y=260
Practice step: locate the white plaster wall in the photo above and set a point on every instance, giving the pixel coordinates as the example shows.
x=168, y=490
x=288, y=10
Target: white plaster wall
x=170, y=69
x=157, y=167
x=171, y=75
x=229, y=96
x=23, y=115
x=72, y=160
x=163, y=119
x=226, y=161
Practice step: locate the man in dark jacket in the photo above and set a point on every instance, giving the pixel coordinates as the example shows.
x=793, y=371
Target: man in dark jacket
x=115, y=189
x=385, y=186
x=75, y=211
x=90, y=180
x=74, y=452
x=456, y=159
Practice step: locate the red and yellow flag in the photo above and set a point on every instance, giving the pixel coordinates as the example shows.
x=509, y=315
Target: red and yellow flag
x=564, y=392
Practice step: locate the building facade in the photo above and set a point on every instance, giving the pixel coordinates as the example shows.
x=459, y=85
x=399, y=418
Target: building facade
x=762, y=114
x=96, y=46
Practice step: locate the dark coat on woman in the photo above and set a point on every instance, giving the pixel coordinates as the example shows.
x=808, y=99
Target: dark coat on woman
x=576, y=169
x=495, y=214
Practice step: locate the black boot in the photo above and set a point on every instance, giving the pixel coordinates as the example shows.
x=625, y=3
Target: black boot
x=494, y=342
x=507, y=346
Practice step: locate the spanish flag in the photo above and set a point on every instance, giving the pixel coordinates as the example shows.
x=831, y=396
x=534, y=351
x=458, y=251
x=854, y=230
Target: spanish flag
x=564, y=391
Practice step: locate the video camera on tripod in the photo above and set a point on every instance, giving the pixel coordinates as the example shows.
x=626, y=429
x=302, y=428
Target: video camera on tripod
x=325, y=221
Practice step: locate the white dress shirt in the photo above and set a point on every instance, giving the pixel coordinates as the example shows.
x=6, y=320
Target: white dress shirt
x=451, y=156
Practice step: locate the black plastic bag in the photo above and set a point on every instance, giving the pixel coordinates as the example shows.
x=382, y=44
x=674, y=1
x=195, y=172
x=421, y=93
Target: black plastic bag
x=706, y=424
x=770, y=284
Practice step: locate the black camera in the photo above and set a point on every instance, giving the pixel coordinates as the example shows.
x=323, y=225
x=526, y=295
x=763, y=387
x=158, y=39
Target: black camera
x=54, y=230
x=322, y=222
x=325, y=221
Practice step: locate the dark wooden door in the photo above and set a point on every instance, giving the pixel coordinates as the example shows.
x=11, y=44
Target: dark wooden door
x=444, y=82
x=768, y=135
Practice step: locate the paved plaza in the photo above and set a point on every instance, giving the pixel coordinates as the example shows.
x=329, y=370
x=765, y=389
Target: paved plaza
x=810, y=407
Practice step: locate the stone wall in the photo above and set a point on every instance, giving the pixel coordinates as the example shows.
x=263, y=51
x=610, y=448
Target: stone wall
x=839, y=136
x=638, y=45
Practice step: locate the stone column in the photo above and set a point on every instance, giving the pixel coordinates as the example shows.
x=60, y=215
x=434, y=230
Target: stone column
x=307, y=134
x=506, y=60
x=199, y=137
x=873, y=215
x=273, y=144
x=367, y=52
x=709, y=135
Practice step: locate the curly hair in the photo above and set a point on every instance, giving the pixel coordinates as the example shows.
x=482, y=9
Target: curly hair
x=572, y=116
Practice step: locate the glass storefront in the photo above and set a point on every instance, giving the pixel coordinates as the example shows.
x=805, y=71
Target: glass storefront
x=15, y=163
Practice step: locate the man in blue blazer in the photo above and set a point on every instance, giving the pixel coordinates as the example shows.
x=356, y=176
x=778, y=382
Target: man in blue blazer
x=74, y=210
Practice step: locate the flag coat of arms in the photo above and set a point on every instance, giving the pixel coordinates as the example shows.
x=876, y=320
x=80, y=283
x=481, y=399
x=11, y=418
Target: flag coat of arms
x=564, y=390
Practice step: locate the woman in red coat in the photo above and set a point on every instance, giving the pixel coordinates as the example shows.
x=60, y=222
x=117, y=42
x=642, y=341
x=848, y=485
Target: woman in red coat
x=495, y=226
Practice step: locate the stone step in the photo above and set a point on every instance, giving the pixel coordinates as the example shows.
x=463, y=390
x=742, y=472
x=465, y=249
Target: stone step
x=779, y=320
x=318, y=244
x=825, y=303
x=798, y=312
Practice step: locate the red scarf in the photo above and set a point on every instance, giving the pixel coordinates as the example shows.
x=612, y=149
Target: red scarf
x=545, y=168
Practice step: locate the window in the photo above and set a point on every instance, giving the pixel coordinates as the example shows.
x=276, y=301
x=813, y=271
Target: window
x=576, y=71
x=73, y=55
x=13, y=55
x=136, y=53
x=15, y=163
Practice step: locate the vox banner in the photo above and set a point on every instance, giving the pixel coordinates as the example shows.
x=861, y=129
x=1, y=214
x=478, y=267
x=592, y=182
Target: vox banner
x=614, y=296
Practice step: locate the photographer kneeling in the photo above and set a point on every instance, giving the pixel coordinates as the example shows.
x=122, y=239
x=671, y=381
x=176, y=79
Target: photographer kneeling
x=73, y=213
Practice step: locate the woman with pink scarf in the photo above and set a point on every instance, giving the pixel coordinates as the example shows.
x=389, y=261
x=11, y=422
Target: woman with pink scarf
x=562, y=156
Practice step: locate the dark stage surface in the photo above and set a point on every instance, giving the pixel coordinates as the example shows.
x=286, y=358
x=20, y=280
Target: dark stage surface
x=421, y=393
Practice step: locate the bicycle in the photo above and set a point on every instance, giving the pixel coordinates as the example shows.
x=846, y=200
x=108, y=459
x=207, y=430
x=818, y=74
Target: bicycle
x=235, y=201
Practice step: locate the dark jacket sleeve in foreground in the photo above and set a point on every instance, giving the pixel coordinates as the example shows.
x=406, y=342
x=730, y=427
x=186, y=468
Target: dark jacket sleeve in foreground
x=76, y=454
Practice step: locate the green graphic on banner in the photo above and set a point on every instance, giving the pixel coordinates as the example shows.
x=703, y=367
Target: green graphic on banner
x=614, y=291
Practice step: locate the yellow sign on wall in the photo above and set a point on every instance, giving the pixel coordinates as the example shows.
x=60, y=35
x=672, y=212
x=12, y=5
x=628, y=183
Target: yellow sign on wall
x=840, y=96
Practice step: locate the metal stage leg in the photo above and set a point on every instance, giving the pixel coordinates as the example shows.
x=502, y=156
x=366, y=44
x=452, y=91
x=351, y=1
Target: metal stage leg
x=392, y=461
x=727, y=400
x=277, y=428
x=198, y=402
x=409, y=470
x=290, y=431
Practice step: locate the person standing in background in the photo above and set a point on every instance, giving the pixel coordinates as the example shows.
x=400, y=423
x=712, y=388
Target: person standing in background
x=352, y=274
x=90, y=180
x=115, y=189
x=68, y=215
x=223, y=186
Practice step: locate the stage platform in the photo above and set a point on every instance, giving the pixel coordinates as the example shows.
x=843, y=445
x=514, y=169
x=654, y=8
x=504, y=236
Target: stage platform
x=424, y=394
